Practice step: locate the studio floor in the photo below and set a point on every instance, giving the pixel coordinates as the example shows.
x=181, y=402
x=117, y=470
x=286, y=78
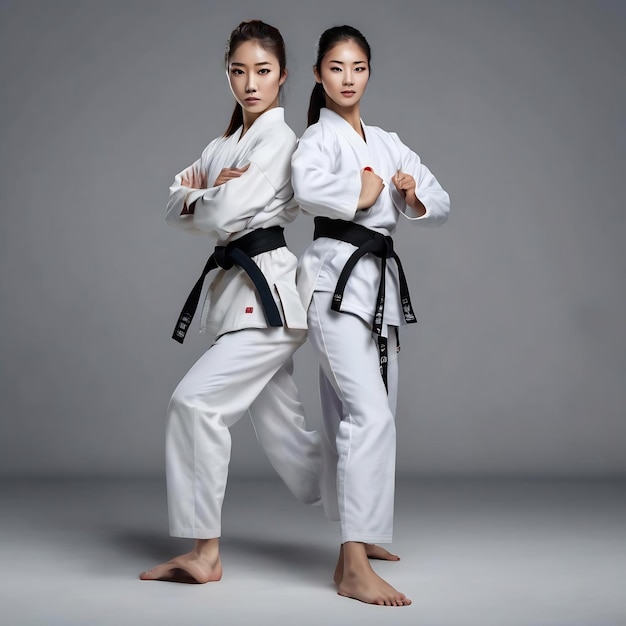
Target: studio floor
x=501, y=553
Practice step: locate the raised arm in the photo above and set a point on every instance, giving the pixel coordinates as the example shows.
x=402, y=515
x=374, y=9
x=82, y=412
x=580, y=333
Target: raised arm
x=425, y=202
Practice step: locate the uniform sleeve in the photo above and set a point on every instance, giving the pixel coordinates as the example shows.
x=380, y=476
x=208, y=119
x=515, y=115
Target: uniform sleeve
x=318, y=188
x=427, y=189
x=228, y=208
x=178, y=196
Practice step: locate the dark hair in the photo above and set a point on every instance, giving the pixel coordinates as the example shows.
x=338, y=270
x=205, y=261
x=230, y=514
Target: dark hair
x=329, y=39
x=270, y=39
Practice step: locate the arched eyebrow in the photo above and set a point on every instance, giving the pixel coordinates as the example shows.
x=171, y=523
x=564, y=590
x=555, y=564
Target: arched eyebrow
x=255, y=65
x=341, y=62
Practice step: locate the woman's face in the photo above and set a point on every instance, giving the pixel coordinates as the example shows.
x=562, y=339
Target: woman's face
x=255, y=78
x=344, y=72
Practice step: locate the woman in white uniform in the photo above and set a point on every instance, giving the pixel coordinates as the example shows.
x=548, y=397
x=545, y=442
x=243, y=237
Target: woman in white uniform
x=239, y=191
x=359, y=181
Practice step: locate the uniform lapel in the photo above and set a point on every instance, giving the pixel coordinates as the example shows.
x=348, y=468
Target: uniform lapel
x=241, y=146
x=360, y=147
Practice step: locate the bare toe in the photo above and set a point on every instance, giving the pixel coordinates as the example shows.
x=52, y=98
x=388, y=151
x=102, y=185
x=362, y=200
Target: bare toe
x=187, y=568
x=372, y=589
x=160, y=572
x=374, y=551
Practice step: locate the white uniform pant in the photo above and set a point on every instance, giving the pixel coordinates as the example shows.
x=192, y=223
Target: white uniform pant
x=248, y=370
x=358, y=472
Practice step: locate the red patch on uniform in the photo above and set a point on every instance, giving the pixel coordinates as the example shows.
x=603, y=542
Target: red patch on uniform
x=249, y=309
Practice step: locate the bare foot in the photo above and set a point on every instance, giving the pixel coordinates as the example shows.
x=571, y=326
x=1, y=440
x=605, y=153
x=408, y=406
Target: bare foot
x=360, y=581
x=370, y=588
x=377, y=552
x=201, y=565
x=373, y=552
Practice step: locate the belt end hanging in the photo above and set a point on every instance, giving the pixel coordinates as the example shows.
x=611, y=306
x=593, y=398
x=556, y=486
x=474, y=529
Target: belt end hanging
x=181, y=327
x=336, y=303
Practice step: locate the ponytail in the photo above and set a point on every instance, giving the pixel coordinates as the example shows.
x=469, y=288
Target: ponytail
x=317, y=102
x=328, y=40
x=235, y=121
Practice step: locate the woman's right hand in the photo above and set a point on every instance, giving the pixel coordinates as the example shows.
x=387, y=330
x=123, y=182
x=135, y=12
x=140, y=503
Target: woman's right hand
x=193, y=180
x=228, y=173
x=371, y=187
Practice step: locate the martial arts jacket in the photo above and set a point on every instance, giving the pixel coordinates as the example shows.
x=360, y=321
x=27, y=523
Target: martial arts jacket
x=261, y=197
x=326, y=177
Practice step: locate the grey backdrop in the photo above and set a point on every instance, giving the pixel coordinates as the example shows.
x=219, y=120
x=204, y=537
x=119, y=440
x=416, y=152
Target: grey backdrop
x=518, y=365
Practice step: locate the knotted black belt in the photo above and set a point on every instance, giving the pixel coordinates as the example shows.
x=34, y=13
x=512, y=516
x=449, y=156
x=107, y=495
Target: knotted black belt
x=239, y=253
x=381, y=246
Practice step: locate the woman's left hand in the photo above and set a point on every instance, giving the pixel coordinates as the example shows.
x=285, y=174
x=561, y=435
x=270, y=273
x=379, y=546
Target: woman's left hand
x=229, y=173
x=405, y=184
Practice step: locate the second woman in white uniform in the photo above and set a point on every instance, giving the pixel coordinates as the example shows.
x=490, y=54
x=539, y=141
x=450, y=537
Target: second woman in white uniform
x=239, y=191
x=359, y=181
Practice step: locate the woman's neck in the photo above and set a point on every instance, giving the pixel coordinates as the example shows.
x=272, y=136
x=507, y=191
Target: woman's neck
x=352, y=115
x=250, y=118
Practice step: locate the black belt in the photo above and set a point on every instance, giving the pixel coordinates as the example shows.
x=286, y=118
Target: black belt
x=381, y=246
x=239, y=253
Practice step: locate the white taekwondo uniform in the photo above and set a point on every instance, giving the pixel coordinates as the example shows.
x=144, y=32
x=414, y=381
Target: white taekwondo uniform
x=248, y=367
x=358, y=413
